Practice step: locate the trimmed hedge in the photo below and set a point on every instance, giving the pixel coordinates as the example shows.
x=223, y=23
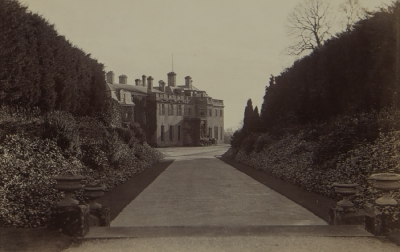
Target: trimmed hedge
x=40, y=68
x=45, y=83
x=352, y=71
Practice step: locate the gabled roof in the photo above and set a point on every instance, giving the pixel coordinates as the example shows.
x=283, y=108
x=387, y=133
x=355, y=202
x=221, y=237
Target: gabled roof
x=110, y=87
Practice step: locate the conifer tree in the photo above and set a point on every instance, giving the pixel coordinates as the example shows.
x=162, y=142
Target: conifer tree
x=248, y=117
x=256, y=122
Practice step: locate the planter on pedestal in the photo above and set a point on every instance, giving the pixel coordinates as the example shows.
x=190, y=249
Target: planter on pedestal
x=67, y=216
x=93, y=192
x=346, y=190
x=386, y=182
x=99, y=215
x=344, y=212
x=383, y=217
x=68, y=184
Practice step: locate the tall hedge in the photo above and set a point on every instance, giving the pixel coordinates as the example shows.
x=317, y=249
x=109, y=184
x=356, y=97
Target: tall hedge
x=40, y=68
x=334, y=115
x=354, y=71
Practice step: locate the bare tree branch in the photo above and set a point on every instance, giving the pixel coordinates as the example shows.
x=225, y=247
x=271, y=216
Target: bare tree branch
x=353, y=12
x=309, y=25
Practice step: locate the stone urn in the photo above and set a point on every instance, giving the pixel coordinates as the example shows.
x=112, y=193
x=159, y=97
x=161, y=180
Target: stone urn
x=346, y=190
x=93, y=192
x=68, y=184
x=386, y=182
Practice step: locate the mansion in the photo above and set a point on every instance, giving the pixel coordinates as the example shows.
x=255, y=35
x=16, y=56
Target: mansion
x=169, y=114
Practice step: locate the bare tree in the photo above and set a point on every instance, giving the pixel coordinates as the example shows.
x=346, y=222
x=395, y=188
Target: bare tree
x=353, y=12
x=309, y=24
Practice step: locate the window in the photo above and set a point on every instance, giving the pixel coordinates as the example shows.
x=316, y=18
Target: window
x=162, y=133
x=122, y=97
x=222, y=133
x=210, y=112
x=216, y=132
x=170, y=109
x=202, y=112
x=162, y=109
x=179, y=110
x=190, y=111
x=216, y=112
x=220, y=112
x=171, y=137
x=209, y=132
x=179, y=132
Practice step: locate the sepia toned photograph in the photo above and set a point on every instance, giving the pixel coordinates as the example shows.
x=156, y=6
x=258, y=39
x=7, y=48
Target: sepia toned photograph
x=199, y=125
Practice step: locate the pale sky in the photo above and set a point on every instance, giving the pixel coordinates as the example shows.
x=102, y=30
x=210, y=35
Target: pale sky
x=229, y=47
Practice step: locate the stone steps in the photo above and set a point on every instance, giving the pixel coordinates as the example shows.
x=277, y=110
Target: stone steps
x=224, y=231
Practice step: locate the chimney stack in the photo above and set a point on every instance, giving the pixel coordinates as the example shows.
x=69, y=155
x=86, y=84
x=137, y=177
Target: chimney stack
x=161, y=85
x=123, y=79
x=110, y=77
x=149, y=84
x=144, y=80
x=188, y=82
x=172, y=79
x=138, y=82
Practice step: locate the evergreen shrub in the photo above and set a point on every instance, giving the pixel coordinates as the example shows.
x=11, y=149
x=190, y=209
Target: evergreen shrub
x=337, y=155
x=60, y=144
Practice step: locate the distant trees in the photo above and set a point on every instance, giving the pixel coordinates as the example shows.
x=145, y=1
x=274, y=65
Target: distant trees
x=39, y=68
x=251, y=121
x=228, y=133
x=309, y=24
x=251, y=124
x=312, y=22
x=248, y=117
x=353, y=12
x=255, y=122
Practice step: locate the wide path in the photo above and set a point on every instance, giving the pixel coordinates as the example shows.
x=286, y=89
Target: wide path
x=198, y=189
x=202, y=204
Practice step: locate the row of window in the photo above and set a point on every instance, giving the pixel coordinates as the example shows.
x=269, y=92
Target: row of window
x=217, y=134
x=163, y=108
x=170, y=109
x=216, y=112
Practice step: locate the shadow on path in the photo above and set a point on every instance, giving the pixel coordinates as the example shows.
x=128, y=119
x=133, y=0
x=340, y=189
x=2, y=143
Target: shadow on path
x=315, y=203
x=119, y=197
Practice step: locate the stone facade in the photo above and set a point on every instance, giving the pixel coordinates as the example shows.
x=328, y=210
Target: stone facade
x=171, y=114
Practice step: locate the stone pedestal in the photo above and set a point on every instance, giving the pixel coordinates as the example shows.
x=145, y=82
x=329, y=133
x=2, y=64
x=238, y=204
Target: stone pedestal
x=72, y=221
x=345, y=215
x=100, y=217
x=382, y=220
